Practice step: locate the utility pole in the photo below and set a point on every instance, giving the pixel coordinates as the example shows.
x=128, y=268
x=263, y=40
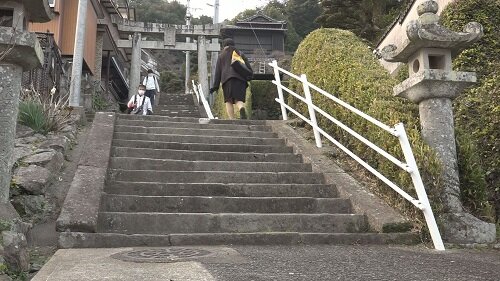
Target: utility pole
x=188, y=55
x=214, y=55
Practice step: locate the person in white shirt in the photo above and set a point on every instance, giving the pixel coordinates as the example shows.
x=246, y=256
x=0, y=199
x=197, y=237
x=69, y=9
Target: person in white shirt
x=140, y=104
x=152, y=87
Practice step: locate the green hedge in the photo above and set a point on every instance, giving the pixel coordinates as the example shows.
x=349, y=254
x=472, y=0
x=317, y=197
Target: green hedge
x=264, y=94
x=219, y=107
x=338, y=62
x=477, y=110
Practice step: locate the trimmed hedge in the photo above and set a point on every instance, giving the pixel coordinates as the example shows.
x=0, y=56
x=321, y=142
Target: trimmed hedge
x=477, y=110
x=264, y=94
x=219, y=107
x=338, y=62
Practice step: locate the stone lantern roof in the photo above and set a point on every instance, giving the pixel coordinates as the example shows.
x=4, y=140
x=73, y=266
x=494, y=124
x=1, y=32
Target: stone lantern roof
x=426, y=32
x=39, y=11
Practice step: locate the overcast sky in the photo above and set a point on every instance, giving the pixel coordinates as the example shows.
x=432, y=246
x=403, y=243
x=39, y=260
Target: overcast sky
x=228, y=8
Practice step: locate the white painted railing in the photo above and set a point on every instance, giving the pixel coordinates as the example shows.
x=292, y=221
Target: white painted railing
x=397, y=131
x=198, y=90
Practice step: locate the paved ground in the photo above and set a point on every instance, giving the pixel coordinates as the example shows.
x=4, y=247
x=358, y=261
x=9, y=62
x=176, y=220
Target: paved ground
x=278, y=263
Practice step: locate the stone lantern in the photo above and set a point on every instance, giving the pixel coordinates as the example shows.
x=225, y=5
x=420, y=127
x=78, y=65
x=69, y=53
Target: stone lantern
x=432, y=84
x=19, y=51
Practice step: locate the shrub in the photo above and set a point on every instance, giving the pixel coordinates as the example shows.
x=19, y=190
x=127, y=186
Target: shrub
x=219, y=107
x=477, y=110
x=264, y=94
x=338, y=62
x=44, y=113
x=31, y=114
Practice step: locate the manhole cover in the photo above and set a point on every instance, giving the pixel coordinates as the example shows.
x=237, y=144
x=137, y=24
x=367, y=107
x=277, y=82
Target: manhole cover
x=159, y=255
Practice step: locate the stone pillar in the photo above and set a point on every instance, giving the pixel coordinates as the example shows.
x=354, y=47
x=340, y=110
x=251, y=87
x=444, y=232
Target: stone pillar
x=25, y=54
x=433, y=85
x=438, y=131
x=135, y=65
x=76, y=71
x=10, y=81
x=187, y=80
x=214, y=56
x=98, y=58
x=203, y=65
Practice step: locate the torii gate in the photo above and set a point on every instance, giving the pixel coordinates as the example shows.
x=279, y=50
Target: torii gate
x=174, y=38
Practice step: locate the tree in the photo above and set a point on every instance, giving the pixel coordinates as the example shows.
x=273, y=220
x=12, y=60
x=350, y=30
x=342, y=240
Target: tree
x=365, y=18
x=303, y=13
x=163, y=11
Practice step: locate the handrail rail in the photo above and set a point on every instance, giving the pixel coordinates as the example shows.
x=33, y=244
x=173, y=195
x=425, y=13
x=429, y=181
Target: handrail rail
x=200, y=96
x=398, y=131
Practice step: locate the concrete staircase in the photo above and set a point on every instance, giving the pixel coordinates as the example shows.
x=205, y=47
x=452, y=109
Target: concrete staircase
x=176, y=105
x=178, y=181
x=227, y=182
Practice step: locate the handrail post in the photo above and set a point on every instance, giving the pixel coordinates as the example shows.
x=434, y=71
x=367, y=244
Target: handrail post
x=277, y=78
x=312, y=112
x=419, y=187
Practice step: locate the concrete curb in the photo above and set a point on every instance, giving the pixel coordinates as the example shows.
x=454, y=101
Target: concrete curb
x=81, y=206
x=381, y=217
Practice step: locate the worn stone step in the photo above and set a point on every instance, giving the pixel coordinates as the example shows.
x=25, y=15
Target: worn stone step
x=177, y=106
x=204, y=155
x=116, y=240
x=189, y=119
x=191, y=125
x=199, y=139
x=193, y=132
x=129, y=163
x=215, y=177
x=213, y=204
x=221, y=189
x=202, y=146
x=163, y=223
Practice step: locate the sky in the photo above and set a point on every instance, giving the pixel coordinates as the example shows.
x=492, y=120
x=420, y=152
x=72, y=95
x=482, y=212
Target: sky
x=228, y=8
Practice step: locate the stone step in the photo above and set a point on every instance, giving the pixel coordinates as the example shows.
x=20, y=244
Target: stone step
x=199, y=139
x=191, y=125
x=215, y=177
x=211, y=204
x=221, y=189
x=193, y=132
x=163, y=223
x=202, y=146
x=177, y=106
x=204, y=155
x=129, y=163
x=189, y=119
x=115, y=240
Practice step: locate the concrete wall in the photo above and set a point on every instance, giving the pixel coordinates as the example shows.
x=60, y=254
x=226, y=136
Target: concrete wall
x=398, y=33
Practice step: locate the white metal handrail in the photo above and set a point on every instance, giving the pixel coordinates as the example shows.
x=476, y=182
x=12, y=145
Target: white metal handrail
x=398, y=131
x=198, y=90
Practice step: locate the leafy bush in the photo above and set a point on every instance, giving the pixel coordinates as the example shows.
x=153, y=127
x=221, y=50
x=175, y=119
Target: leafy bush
x=338, y=62
x=219, y=107
x=43, y=113
x=264, y=94
x=170, y=82
x=31, y=114
x=477, y=110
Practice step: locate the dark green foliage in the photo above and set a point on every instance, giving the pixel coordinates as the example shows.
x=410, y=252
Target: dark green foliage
x=477, y=110
x=170, y=82
x=171, y=12
x=366, y=18
x=337, y=61
x=303, y=13
x=264, y=94
x=31, y=114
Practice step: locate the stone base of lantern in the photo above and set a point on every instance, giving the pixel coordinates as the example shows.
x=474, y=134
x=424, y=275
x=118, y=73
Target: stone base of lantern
x=464, y=228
